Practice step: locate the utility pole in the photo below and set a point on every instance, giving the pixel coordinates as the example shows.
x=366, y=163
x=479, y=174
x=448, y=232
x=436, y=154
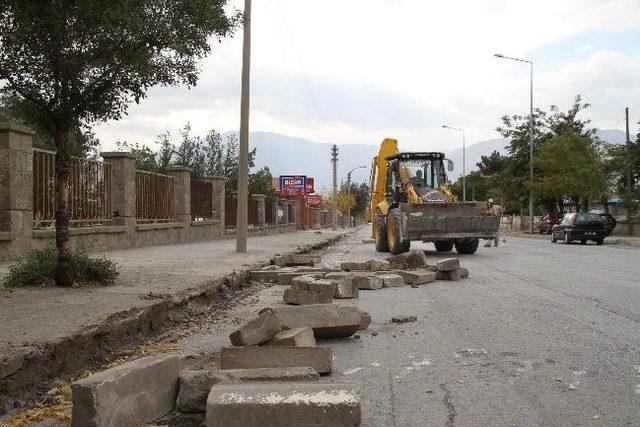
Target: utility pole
x=349, y=189
x=243, y=164
x=629, y=175
x=334, y=205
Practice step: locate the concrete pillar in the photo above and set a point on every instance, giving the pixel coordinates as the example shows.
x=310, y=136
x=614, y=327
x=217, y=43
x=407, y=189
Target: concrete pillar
x=284, y=205
x=217, y=186
x=181, y=191
x=16, y=184
x=261, y=201
x=296, y=212
x=123, y=193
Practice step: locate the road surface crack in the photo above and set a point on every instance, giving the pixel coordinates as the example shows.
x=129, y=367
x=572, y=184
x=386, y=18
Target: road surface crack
x=446, y=399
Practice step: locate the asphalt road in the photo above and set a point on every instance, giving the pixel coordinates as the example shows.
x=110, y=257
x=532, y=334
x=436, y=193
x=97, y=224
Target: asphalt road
x=539, y=334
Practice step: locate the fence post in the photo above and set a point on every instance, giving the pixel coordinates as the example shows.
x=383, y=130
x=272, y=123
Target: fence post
x=123, y=193
x=16, y=185
x=217, y=197
x=261, y=201
x=181, y=191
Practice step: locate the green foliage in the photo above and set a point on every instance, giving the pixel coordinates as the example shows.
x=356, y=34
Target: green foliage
x=569, y=164
x=477, y=186
x=261, y=182
x=82, y=141
x=38, y=266
x=77, y=61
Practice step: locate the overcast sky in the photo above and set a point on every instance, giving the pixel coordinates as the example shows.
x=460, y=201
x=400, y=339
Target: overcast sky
x=356, y=71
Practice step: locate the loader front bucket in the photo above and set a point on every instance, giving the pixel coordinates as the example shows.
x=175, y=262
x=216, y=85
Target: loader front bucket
x=442, y=221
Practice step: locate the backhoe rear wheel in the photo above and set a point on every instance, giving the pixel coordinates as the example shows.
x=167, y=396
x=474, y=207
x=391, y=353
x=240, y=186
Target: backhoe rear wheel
x=380, y=232
x=467, y=246
x=443, y=245
x=396, y=244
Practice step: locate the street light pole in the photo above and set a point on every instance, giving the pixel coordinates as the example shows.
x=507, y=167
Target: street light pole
x=464, y=161
x=349, y=189
x=243, y=163
x=501, y=56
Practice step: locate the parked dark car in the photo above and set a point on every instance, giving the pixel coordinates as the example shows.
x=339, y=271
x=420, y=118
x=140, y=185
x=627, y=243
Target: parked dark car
x=579, y=226
x=547, y=222
x=609, y=221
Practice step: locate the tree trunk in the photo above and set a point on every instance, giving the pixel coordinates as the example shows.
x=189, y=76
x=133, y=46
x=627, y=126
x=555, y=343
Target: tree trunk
x=64, y=272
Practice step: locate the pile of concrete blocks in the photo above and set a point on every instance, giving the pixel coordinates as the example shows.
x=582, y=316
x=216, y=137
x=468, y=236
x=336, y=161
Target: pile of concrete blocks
x=450, y=269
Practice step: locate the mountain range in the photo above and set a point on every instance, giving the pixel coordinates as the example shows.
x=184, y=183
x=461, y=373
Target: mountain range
x=279, y=152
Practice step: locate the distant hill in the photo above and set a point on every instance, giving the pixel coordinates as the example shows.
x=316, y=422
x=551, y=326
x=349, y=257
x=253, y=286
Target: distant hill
x=287, y=155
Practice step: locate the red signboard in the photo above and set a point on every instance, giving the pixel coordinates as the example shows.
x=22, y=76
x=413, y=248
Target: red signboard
x=293, y=185
x=314, y=199
x=309, y=189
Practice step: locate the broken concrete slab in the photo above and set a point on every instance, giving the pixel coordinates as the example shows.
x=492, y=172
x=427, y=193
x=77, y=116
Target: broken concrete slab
x=326, y=320
x=368, y=282
x=346, y=288
x=408, y=261
x=324, y=285
x=294, y=260
x=131, y=394
x=365, y=320
x=298, y=297
x=269, y=276
x=296, y=337
x=195, y=385
x=282, y=404
x=355, y=266
x=285, y=278
x=416, y=277
x=257, y=331
x=457, y=274
x=318, y=358
x=370, y=265
x=391, y=280
x=302, y=282
x=403, y=319
x=448, y=264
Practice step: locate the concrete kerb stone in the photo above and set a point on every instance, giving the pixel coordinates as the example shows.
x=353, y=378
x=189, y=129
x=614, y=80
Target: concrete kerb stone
x=318, y=358
x=297, y=260
x=296, y=337
x=301, y=297
x=365, y=320
x=257, y=331
x=270, y=276
x=416, y=277
x=131, y=394
x=346, y=288
x=391, y=280
x=258, y=405
x=457, y=274
x=407, y=261
x=448, y=264
x=326, y=320
x=195, y=385
x=368, y=282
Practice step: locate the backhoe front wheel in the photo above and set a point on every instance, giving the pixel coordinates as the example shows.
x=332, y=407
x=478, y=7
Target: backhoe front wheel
x=380, y=232
x=443, y=245
x=467, y=246
x=396, y=244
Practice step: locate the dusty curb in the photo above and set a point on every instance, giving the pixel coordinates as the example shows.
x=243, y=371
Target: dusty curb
x=26, y=374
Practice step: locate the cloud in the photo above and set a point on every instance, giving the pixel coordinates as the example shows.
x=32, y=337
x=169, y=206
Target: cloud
x=357, y=71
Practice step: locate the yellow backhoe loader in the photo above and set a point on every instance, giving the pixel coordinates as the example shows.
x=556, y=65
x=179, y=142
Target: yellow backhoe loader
x=411, y=200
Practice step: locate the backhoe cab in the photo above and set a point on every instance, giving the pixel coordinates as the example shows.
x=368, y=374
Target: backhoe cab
x=411, y=200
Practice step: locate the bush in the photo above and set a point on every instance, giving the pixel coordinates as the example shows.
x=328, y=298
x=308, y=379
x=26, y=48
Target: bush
x=38, y=267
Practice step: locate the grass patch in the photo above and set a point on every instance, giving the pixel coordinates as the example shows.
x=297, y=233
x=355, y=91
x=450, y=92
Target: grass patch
x=38, y=266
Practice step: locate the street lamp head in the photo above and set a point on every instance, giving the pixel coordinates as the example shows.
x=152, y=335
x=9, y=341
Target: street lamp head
x=498, y=55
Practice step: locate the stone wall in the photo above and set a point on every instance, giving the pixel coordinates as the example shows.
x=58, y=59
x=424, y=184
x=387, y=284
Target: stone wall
x=17, y=233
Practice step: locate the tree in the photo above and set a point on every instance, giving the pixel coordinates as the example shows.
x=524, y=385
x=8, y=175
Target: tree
x=477, y=186
x=261, y=182
x=512, y=182
x=74, y=62
x=570, y=165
